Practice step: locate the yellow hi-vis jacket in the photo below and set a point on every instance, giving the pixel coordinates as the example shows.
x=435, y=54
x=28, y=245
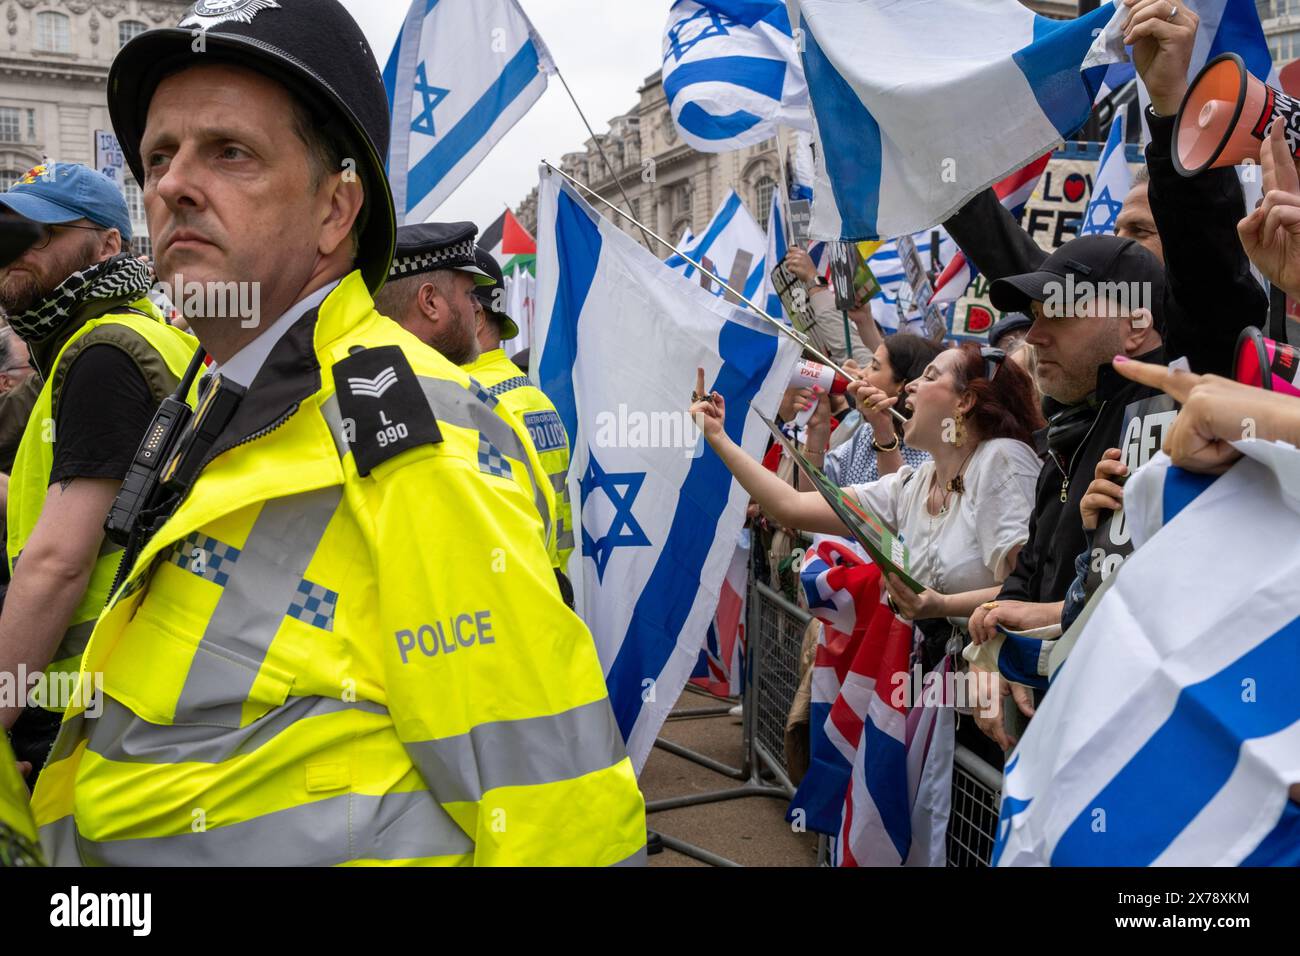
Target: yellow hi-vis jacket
x=346, y=646
x=18, y=841
x=507, y=382
x=161, y=353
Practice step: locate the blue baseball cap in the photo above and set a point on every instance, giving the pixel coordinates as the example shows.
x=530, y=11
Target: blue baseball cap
x=66, y=192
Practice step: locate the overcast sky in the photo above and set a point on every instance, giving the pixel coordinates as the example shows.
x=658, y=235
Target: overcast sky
x=605, y=48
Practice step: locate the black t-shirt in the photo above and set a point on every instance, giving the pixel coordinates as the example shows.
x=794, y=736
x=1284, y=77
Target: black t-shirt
x=105, y=407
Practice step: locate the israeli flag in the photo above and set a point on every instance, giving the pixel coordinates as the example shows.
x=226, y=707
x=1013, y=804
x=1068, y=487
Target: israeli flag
x=776, y=250
x=461, y=75
x=732, y=247
x=961, y=93
x=1171, y=733
x=731, y=73
x=618, y=340
x=1110, y=184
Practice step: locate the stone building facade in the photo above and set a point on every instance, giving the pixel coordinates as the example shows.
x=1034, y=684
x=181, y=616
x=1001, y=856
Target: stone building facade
x=54, y=60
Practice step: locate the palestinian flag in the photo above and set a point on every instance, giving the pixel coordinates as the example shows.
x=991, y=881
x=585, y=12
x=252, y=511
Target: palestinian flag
x=510, y=244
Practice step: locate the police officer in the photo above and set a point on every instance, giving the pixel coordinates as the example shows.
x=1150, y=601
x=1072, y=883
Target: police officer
x=106, y=359
x=345, y=645
x=430, y=286
x=507, y=382
x=435, y=291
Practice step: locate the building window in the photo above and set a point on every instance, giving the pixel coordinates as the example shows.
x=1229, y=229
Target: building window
x=53, y=33
x=134, y=199
x=9, y=176
x=128, y=29
x=11, y=125
x=31, y=126
x=764, y=189
x=682, y=198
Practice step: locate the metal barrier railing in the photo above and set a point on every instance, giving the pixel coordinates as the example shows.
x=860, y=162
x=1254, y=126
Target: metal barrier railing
x=774, y=643
x=776, y=634
x=776, y=639
x=973, y=822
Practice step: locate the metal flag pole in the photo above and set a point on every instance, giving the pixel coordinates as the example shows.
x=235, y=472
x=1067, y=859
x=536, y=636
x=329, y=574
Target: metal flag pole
x=601, y=149
x=762, y=314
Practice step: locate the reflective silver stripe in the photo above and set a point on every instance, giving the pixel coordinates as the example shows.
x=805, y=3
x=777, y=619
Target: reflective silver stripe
x=473, y=410
x=334, y=418
x=118, y=734
x=559, y=482
x=517, y=753
x=636, y=859
x=75, y=640
x=565, y=540
x=396, y=826
x=451, y=403
x=59, y=842
x=261, y=586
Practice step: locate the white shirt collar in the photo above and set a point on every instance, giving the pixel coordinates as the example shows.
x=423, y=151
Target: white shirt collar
x=244, y=365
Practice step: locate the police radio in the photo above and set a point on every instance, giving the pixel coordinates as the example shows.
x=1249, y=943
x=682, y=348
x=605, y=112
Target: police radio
x=142, y=487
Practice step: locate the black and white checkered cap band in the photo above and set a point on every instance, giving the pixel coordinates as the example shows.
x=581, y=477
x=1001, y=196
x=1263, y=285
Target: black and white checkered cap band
x=458, y=256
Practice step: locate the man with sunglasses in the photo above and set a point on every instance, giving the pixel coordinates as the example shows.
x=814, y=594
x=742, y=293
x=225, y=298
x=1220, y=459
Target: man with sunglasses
x=106, y=359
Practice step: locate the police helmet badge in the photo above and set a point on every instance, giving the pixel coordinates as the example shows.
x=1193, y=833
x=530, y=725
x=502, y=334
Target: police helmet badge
x=207, y=14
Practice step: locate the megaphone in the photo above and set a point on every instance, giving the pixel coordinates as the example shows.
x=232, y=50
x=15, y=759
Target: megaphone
x=1225, y=116
x=1266, y=364
x=807, y=373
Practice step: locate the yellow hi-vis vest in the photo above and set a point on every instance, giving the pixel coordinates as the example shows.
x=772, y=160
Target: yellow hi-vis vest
x=506, y=381
x=18, y=840
x=346, y=646
x=162, y=353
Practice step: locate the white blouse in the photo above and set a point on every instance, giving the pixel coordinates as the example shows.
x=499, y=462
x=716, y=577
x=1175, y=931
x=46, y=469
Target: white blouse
x=968, y=545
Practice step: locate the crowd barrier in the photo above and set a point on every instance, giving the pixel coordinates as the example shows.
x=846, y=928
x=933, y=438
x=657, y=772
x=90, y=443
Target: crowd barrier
x=775, y=637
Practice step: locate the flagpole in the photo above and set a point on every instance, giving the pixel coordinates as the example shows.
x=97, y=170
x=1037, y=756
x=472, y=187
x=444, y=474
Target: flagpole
x=775, y=323
x=601, y=149
x=786, y=225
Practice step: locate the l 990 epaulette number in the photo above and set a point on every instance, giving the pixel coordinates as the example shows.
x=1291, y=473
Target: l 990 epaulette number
x=377, y=390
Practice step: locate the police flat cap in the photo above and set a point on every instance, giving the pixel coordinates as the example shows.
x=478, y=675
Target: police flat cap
x=312, y=47
x=431, y=246
x=494, y=295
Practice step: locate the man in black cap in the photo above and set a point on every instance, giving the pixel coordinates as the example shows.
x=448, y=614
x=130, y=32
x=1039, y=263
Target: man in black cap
x=1094, y=298
x=345, y=644
x=505, y=380
x=431, y=284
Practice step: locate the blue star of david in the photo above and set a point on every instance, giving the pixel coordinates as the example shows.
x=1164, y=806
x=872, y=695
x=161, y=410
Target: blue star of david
x=432, y=96
x=716, y=26
x=624, y=532
x=1102, y=213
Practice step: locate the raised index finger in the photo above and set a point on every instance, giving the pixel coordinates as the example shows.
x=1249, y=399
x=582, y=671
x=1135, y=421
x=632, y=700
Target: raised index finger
x=1173, y=382
x=699, y=381
x=1285, y=176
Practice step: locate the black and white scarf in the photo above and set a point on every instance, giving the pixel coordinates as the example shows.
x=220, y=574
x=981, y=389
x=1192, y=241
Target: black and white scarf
x=124, y=277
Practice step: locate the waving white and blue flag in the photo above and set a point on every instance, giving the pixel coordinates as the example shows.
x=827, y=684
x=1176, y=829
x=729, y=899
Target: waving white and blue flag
x=961, y=93
x=460, y=76
x=618, y=339
x=777, y=245
x=1110, y=184
x=731, y=73
x=732, y=247
x=1171, y=733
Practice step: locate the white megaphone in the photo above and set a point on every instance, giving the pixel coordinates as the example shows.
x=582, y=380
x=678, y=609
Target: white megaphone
x=1225, y=116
